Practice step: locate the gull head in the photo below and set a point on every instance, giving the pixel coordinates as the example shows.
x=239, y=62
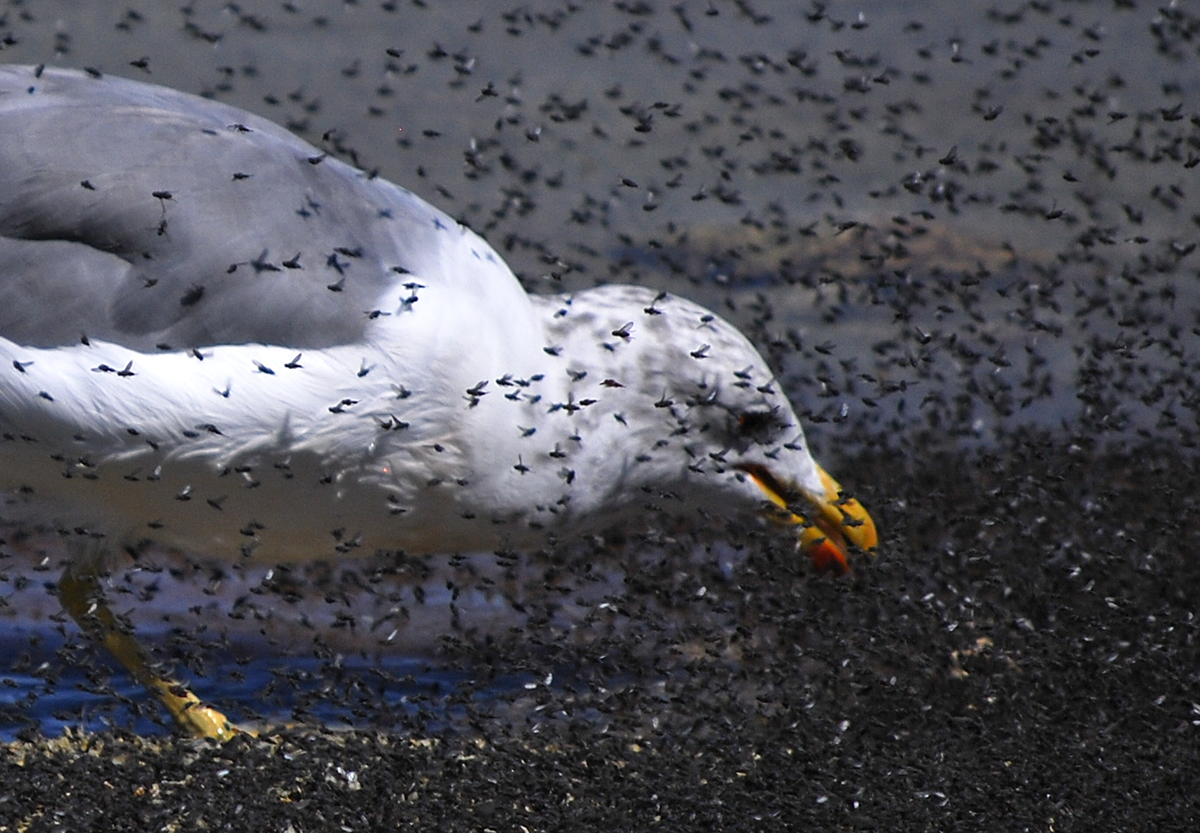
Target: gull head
x=662, y=407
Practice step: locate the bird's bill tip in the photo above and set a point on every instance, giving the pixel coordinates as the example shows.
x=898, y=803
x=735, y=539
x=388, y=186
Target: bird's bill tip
x=838, y=519
x=826, y=533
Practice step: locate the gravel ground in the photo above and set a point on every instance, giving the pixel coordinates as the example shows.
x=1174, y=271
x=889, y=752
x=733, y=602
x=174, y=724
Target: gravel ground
x=1024, y=655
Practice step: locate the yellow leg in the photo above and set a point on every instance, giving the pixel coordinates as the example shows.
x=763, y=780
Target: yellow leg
x=81, y=596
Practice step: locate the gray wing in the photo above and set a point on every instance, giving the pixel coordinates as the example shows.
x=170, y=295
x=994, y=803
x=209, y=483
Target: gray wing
x=155, y=219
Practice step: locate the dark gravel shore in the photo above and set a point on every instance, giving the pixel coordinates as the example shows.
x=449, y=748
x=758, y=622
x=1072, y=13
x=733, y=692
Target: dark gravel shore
x=1024, y=653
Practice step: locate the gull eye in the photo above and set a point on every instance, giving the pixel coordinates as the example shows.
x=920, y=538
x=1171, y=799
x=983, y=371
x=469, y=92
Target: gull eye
x=757, y=426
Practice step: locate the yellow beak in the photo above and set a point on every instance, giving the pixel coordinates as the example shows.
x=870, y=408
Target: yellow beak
x=824, y=532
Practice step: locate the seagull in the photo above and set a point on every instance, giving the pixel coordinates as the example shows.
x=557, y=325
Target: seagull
x=215, y=337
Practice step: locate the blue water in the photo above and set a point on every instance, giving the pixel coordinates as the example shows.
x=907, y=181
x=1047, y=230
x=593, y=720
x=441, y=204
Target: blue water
x=49, y=684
